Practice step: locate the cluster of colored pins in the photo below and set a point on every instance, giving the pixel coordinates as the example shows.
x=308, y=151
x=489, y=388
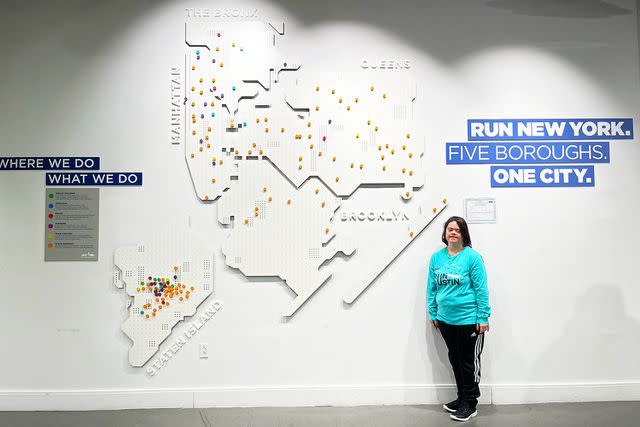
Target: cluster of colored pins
x=50, y=217
x=376, y=128
x=204, y=88
x=204, y=84
x=163, y=293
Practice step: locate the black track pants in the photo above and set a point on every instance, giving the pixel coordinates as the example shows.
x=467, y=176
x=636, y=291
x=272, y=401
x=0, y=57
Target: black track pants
x=465, y=347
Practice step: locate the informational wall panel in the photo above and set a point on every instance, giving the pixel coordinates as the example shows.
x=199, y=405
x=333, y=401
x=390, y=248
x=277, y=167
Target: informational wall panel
x=71, y=224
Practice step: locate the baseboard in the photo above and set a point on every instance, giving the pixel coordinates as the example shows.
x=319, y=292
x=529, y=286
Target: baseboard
x=94, y=400
x=506, y=394
x=330, y=396
x=224, y=397
x=419, y=394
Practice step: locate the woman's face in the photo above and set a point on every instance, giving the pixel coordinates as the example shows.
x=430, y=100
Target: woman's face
x=452, y=233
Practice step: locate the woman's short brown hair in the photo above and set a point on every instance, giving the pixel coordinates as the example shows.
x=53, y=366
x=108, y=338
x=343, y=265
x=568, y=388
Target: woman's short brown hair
x=464, y=230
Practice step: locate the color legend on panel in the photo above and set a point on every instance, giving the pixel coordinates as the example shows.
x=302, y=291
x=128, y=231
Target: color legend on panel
x=71, y=224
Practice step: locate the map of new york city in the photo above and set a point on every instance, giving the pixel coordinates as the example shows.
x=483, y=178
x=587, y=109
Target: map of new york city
x=278, y=149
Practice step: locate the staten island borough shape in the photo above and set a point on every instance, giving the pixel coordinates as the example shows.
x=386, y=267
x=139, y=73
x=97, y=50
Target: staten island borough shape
x=167, y=280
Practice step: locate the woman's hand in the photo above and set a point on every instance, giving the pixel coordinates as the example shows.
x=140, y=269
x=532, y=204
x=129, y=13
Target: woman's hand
x=482, y=327
x=434, y=323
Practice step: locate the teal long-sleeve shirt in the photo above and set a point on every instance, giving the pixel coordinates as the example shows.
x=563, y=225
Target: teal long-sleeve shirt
x=457, y=291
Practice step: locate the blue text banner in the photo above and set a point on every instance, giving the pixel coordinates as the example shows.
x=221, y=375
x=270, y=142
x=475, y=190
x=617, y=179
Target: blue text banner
x=49, y=163
x=549, y=129
x=469, y=153
x=94, y=179
x=542, y=176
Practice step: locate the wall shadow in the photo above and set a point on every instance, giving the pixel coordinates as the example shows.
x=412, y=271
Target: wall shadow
x=598, y=341
x=450, y=31
x=84, y=28
x=582, y=9
x=440, y=366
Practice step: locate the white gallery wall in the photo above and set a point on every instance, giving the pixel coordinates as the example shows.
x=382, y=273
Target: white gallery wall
x=92, y=79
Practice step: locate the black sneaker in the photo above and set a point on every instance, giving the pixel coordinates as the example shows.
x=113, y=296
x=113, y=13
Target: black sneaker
x=464, y=413
x=452, y=406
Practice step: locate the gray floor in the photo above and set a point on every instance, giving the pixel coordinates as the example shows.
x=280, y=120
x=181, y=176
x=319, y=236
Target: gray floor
x=607, y=414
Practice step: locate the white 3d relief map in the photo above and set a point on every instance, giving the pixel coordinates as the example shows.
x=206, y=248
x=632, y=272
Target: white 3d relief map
x=167, y=280
x=277, y=149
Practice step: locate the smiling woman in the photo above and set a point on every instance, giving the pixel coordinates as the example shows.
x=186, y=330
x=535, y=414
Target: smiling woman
x=458, y=304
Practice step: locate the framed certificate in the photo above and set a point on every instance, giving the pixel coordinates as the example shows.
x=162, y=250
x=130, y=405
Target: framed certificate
x=480, y=210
